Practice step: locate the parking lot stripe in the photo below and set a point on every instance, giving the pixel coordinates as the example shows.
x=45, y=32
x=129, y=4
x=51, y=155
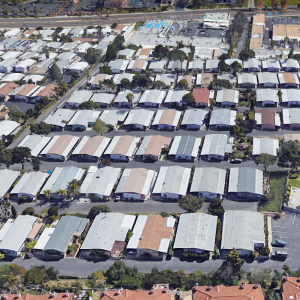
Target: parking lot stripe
x=278, y=231
x=278, y=227
x=294, y=218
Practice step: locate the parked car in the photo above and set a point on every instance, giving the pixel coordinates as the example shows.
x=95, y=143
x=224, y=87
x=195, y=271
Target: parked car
x=280, y=255
x=278, y=243
x=117, y=198
x=236, y=161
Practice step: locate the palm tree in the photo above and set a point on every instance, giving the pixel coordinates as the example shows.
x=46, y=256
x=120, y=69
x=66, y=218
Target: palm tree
x=47, y=194
x=129, y=97
x=74, y=188
x=61, y=192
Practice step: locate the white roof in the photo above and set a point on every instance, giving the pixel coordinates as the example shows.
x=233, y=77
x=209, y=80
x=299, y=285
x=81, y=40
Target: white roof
x=153, y=96
x=11, y=54
x=81, y=66
x=267, y=95
x=7, y=127
x=290, y=95
x=44, y=238
x=60, y=117
x=84, y=117
x=175, y=96
x=36, y=143
x=139, y=117
x=12, y=77
x=270, y=63
x=12, y=32
x=223, y=117
x=118, y=77
x=212, y=64
x=46, y=32
x=83, y=47
x=80, y=96
x=121, y=97
x=119, y=64
x=112, y=117
x=246, y=78
x=7, y=178
x=289, y=63
x=194, y=116
x=265, y=145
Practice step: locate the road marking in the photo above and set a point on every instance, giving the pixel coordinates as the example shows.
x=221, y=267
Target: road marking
x=278, y=231
x=278, y=227
x=294, y=218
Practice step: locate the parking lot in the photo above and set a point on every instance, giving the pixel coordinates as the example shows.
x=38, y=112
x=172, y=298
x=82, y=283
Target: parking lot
x=289, y=229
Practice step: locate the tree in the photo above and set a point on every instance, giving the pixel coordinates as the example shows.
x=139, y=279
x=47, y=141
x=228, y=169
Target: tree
x=105, y=70
x=215, y=207
x=90, y=56
x=28, y=211
x=223, y=67
x=236, y=130
x=125, y=83
x=53, y=211
x=73, y=189
x=14, y=212
x=10, y=280
x=266, y=160
x=177, y=54
x=118, y=41
x=189, y=98
x=41, y=128
x=260, y=4
x=114, y=25
x=29, y=245
x=160, y=52
x=48, y=194
x=274, y=43
x=26, y=11
x=291, y=54
x=109, y=83
x=95, y=210
x=65, y=39
x=35, y=161
x=89, y=105
x=130, y=97
x=289, y=154
x=284, y=4
x=183, y=84
x=20, y=154
x=246, y=54
x=6, y=157
x=61, y=192
x=158, y=84
x=100, y=127
x=190, y=203
x=236, y=67
x=141, y=81
x=55, y=73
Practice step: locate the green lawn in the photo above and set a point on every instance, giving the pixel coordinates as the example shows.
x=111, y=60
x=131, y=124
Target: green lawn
x=277, y=192
x=291, y=2
x=294, y=182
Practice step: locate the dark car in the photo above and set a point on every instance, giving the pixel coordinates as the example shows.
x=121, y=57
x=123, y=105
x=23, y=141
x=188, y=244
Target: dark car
x=280, y=255
x=236, y=161
x=278, y=243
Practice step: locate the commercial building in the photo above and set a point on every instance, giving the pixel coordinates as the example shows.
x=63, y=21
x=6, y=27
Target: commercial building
x=166, y=119
x=216, y=147
x=222, y=119
x=78, y=97
x=290, y=118
x=151, y=237
x=122, y=148
x=7, y=127
x=290, y=97
x=139, y=119
x=227, y=98
x=196, y=233
x=99, y=184
x=151, y=147
x=172, y=182
x=185, y=148
x=13, y=235
x=60, y=118
x=113, y=117
x=242, y=230
x=107, y=233
x=217, y=20
x=82, y=120
x=208, y=183
x=245, y=184
x=29, y=185
x=90, y=148
x=152, y=98
x=62, y=237
x=265, y=145
x=36, y=143
x=7, y=178
x=267, y=119
x=135, y=184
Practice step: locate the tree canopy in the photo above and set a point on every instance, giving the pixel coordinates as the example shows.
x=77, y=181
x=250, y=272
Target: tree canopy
x=141, y=81
x=95, y=210
x=90, y=56
x=190, y=203
x=100, y=127
x=55, y=73
x=215, y=207
x=89, y=105
x=266, y=160
x=177, y=54
x=183, y=84
x=189, y=98
x=160, y=52
x=41, y=128
x=289, y=154
x=111, y=52
x=105, y=70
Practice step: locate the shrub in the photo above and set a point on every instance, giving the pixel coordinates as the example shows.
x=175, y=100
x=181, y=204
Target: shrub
x=28, y=211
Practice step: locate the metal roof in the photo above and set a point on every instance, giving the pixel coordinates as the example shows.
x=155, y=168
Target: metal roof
x=211, y=180
x=290, y=95
x=230, y=61
x=66, y=56
x=60, y=117
x=196, y=231
x=43, y=239
x=265, y=145
x=173, y=179
x=121, y=97
x=288, y=78
x=102, y=98
x=216, y=144
x=80, y=96
x=100, y=182
x=229, y=77
x=267, y=95
x=127, y=52
x=212, y=64
x=112, y=117
x=185, y=145
x=228, y=96
x=8, y=63
x=122, y=145
x=118, y=77
x=165, y=115
x=64, y=232
x=84, y=117
x=289, y=116
x=251, y=63
x=175, y=96
x=30, y=183
x=153, y=96
x=242, y=229
x=168, y=79
x=246, y=78
x=289, y=63
x=270, y=63
x=107, y=228
x=222, y=117
x=196, y=64
x=119, y=64
x=140, y=117
x=157, y=64
x=16, y=235
x=7, y=178
x=245, y=180
x=194, y=117
x=7, y=127
x=76, y=30
x=267, y=77
x=176, y=64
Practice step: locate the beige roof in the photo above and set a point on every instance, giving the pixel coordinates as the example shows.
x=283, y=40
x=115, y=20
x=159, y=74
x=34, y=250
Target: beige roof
x=279, y=30
x=27, y=88
x=61, y=144
x=259, y=18
x=206, y=78
x=92, y=145
x=99, y=77
x=145, y=52
x=291, y=137
x=120, y=27
x=257, y=29
x=123, y=144
x=293, y=30
x=167, y=116
x=136, y=181
x=7, y=88
x=289, y=77
x=188, y=78
x=255, y=43
x=48, y=91
x=35, y=229
x=155, y=229
x=155, y=144
x=138, y=64
x=30, y=31
x=216, y=53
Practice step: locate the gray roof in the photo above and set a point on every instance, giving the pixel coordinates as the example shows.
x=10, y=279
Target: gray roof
x=66, y=56
x=196, y=231
x=196, y=64
x=76, y=30
x=185, y=145
x=265, y=145
x=16, y=235
x=7, y=178
x=112, y=117
x=267, y=77
x=102, y=98
x=211, y=180
x=267, y=95
x=118, y=77
x=157, y=64
x=127, y=52
x=245, y=180
x=100, y=182
x=289, y=63
x=30, y=183
x=216, y=144
x=231, y=96
x=139, y=117
x=175, y=96
x=251, y=63
x=107, y=228
x=119, y=64
x=173, y=179
x=46, y=63
x=246, y=78
x=173, y=64
x=7, y=63
x=60, y=117
x=242, y=229
x=168, y=79
x=153, y=96
x=212, y=64
x=121, y=97
x=270, y=63
x=84, y=117
x=194, y=117
x=222, y=117
x=64, y=232
x=290, y=95
x=229, y=77
x=80, y=97
x=290, y=116
x=7, y=127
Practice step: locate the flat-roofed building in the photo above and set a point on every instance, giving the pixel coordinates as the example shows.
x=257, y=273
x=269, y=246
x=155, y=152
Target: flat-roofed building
x=208, y=183
x=60, y=147
x=60, y=118
x=252, y=65
x=139, y=119
x=201, y=97
x=29, y=185
x=267, y=80
x=82, y=120
x=290, y=65
x=267, y=119
x=167, y=79
x=62, y=237
x=90, y=148
x=203, y=80
x=216, y=147
x=265, y=145
x=172, y=182
x=138, y=65
x=247, y=80
x=7, y=178
x=196, y=233
x=152, y=98
x=193, y=119
x=122, y=101
x=42, y=241
x=103, y=99
x=259, y=19
x=151, y=147
x=288, y=80
x=212, y=65
x=113, y=117
x=245, y=184
x=24, y=92
x=135, y=184
x=78, y=97
x=217, y=20
x=279, y=32
x=257, y=31
x=242, y=230
x=7, y=127
x=175, y=96
x=36, y=143
x=271, y=65
x=151, y=237
x=122, y=148
x=290, y=118
x=222, y=119
x=227, y=98
x=107, y=233
x=255, y=43
x=185, y=148
x=196, y=65
x=166, y=119
x=266, y=97
x=290, y=97
x=118, y=66
x=59, y=180
x=100, y=184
